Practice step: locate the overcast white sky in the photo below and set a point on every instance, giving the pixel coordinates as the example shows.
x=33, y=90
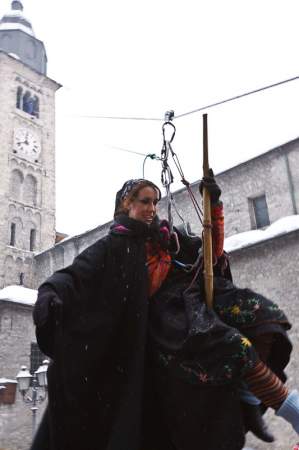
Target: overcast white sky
x=141, y=58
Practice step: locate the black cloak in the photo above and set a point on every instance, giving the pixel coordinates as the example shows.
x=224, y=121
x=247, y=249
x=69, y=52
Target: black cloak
x=107, y=389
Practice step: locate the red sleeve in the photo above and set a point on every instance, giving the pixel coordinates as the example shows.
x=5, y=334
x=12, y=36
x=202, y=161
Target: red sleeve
x=217, y=228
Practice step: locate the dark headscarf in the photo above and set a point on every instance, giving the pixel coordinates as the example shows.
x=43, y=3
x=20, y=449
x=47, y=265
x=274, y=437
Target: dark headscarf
x=127, y=188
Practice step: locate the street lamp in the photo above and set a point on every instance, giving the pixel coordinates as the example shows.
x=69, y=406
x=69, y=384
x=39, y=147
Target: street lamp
x=39, y=386
x=41, y=374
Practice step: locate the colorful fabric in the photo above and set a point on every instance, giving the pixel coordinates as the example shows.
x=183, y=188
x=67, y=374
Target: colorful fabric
x=158, y=259
x=191, y=341
x=218, y=342
x=158, y=262
x=244, y=308
x=265, y=385
x=217, y=228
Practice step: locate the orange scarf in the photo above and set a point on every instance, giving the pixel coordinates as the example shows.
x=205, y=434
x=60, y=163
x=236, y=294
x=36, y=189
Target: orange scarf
x=158, y=264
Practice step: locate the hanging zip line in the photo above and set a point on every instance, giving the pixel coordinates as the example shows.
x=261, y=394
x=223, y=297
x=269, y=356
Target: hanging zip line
x=116, y=117
x=194, y=111
x=170, y=116
x=237, y=97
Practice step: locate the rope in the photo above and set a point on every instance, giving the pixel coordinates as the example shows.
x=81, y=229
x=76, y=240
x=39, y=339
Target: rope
x=122, y=149
x=167, y=148
x=201, y=108
x=185, y=225
x=167, y=178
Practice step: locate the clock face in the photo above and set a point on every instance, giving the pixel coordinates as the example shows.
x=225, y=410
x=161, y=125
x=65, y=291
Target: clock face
x=27, y=143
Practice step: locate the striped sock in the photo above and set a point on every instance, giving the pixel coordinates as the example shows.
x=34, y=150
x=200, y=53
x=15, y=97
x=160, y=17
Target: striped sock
x=265, y=385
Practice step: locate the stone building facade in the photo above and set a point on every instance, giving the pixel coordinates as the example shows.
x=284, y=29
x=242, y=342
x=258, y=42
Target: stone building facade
x=16, y=339
x=27, y=148
x=271, y=268
x=270, y=180
x=27, y=165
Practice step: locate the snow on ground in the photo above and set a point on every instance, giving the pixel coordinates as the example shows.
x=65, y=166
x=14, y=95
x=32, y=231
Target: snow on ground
x=19, y=294
x=278, y=228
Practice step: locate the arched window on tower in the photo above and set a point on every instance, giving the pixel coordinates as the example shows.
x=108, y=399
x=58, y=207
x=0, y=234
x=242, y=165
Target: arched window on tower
x=12, y=240
x=16, y=181
x=28, y=103
x=30, y=190
x=19, y=103
x=32, y=245
x=35, y=106
x=26, y=99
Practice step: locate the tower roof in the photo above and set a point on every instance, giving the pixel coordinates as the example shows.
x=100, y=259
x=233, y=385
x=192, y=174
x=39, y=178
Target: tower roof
x=17, y=39
x=15, y=19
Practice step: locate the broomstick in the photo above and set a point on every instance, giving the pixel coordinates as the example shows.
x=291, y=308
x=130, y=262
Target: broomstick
x=207, y=222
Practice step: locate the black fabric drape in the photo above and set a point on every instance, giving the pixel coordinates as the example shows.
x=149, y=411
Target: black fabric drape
x=107, y=387
x=96, y=378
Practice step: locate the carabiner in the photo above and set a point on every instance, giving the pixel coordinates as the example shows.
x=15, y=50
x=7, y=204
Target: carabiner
x=173, y=131
x=177, y=243
x=166, y=176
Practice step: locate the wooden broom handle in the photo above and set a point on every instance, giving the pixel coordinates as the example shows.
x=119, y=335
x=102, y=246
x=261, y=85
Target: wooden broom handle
x=207, y=223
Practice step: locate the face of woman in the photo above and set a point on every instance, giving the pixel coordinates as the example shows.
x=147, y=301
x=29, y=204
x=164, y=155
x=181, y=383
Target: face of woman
x=143, y=207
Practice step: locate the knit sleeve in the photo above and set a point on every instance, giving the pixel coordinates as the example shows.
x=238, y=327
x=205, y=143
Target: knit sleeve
x=265, y=385
x=218, y=228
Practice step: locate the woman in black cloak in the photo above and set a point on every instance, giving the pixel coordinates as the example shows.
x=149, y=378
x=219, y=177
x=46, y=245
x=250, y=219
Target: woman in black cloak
x=138, y=361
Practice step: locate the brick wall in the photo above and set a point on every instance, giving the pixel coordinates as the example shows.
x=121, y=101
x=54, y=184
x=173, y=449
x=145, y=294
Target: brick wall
x=16, y=335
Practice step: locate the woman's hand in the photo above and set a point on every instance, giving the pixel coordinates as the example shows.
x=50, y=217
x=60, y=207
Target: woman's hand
x=48, y=306
x=212, y=187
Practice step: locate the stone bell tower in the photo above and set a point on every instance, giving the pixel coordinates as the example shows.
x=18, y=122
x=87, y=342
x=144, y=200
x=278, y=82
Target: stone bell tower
x=27, y=149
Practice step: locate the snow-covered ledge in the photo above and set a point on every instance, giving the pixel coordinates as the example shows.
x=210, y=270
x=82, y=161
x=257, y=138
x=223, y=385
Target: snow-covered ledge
x=18, y=294
x=248, y=238
x=7, y=380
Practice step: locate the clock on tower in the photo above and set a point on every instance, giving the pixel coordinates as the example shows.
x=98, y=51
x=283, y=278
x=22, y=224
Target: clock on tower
x=27, y=144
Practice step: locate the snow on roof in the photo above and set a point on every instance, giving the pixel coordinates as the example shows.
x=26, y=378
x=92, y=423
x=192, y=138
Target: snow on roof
x=7, y=380
x=14, y=55
x=16, y=26
x=16, y=13
x=19, y=294
x=278, y=228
